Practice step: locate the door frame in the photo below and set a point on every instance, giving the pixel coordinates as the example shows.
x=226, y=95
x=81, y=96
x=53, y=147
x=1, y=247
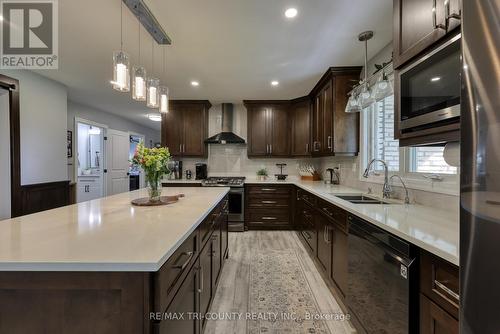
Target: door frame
x=12, y=85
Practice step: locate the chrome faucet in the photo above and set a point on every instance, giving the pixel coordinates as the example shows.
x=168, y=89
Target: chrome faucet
x=407, y=197
x=386, y=192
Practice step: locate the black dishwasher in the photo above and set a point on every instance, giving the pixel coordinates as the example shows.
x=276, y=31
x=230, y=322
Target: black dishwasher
x=382, y=290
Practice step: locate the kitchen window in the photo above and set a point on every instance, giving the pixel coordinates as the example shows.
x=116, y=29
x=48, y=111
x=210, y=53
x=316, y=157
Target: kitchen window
x=421, y=167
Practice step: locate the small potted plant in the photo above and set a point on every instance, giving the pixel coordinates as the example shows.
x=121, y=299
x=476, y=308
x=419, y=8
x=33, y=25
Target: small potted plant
x=154, y=162
x=262, y=174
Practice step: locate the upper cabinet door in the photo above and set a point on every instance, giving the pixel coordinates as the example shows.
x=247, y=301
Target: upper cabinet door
x=258, y=130
x=327, y=120
x=345, y=125
x=300, y=120
x=280, y=132
x=172, y=131
x=195, y=130
x=418, y=24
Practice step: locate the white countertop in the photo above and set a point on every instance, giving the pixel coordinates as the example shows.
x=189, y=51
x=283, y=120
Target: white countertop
x=180, y=181
x=434, y=230
x=107, y=234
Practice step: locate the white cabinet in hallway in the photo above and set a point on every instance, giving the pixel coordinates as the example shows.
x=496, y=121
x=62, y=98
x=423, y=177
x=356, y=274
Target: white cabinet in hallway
x=89, y=188
x=117, y=151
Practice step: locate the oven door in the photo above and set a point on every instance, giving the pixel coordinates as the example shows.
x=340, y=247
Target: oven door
x=430, y=88
x=236, y=204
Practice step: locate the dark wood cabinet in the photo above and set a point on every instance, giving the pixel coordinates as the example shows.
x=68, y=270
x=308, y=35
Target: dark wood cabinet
x=324, y=230
x=339, y=258
x=417, y=25
x=334, y=132
x=435, y=320
x=186, y=301
x=268, y=128
x=205, y=288
x=185, y=128
x=300, y=121
x=268, y=206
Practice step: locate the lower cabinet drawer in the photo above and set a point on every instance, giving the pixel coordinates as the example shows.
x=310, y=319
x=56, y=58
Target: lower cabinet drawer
x=268, y=202
x=171, y=274
x=268, y=217
x=271, y=189
x=435, y=320
x=439, y=281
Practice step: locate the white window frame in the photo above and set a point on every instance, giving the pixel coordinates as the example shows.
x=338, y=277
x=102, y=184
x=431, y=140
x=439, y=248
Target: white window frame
x=449, y=185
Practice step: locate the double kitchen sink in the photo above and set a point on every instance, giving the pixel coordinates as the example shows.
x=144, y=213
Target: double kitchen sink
x=361, y=199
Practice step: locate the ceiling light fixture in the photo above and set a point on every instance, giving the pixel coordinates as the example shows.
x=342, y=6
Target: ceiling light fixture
x=195, y=83
x=139, y=77
x=435, y=79
x=152, y=100
x=94, y=130
x=121, y=63
x=291, y=13
x=275, y=83
x=154, y=117
x=163, y=90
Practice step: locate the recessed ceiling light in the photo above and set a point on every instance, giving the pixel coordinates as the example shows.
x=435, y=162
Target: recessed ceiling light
x=275, y=83
x=436, y=79
x=291, y=13
x=154, y=117
x=195, y=83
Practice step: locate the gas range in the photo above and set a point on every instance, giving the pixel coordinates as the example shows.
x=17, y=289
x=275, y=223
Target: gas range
x=216, y=181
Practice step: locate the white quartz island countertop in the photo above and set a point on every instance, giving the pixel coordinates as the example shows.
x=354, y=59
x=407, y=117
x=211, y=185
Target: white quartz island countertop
x=107, y=234
x=435, y=230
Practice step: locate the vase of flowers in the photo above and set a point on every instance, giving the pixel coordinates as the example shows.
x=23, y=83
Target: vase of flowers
x=154, y=163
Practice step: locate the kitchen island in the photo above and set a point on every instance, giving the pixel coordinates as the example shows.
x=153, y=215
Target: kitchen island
x=105, y=266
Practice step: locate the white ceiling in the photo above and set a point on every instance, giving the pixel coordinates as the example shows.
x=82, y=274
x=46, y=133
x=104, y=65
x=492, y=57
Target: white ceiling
x=234, y=48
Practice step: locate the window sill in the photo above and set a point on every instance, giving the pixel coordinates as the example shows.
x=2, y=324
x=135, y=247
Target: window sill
x=447, y=187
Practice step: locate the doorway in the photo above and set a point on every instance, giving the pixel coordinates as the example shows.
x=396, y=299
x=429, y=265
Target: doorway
x=137, y=180
x=5, y=190
x=89, y=166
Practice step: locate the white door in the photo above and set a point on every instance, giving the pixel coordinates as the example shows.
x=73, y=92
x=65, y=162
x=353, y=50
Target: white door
x=117, y=149
x=4, y=155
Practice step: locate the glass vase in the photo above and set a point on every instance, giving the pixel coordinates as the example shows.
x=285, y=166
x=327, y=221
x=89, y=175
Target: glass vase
x=154, y=189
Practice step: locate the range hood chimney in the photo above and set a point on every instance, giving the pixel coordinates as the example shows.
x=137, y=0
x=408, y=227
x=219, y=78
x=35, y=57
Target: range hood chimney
x=226, y=136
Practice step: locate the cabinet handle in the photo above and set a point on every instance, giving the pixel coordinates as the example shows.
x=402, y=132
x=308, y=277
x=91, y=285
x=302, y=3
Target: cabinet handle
x=434, y=17
x=448, y=16
x=202, y=278
x=270, y=148
x=269, y=218
x=185, y=264
x=268, y=189
x=307, y=148
x=447, y=290
x=268, y=202
x=329, y=142
x=315, y=146
x=328, y=212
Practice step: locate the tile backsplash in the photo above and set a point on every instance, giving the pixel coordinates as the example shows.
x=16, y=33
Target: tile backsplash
x=232, y=160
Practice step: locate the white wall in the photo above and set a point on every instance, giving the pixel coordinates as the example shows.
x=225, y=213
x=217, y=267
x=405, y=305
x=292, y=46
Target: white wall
x=111, y=120
x=43, y=112
x=4, y=155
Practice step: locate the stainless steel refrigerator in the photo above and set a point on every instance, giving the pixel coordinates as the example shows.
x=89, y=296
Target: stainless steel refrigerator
x=480, y=169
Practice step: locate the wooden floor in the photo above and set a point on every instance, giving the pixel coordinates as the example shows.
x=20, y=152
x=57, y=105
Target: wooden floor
x=232, y=293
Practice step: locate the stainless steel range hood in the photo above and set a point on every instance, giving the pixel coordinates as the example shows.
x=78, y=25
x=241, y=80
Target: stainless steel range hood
x=226, y=136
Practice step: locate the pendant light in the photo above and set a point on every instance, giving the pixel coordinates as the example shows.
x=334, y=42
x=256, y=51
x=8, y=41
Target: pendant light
x=353, y=104
x=121, y=63
x=152, y=84
x=383, y=88
x=365, y=97
x=163, y=90
x=139, y=76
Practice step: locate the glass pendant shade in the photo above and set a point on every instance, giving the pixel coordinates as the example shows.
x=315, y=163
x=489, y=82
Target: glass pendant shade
x=164, y=97
x=139, y=83
x=152, y=100
x=121, y=71
x=365, y=98
x=353, y=104
x=383, y=88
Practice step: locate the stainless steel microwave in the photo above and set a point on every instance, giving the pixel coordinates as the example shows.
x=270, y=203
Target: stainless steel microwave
x=430, y=88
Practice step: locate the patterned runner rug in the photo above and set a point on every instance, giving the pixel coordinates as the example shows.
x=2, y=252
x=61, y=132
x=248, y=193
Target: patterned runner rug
x=280, y=298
